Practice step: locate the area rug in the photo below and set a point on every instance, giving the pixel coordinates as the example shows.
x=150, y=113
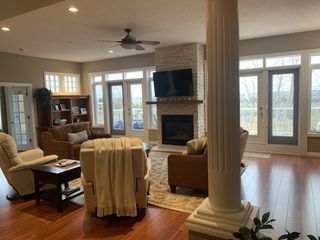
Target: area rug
x=184, y=200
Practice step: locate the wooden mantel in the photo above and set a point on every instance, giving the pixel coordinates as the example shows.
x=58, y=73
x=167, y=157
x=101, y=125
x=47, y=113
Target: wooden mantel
x=176, y=101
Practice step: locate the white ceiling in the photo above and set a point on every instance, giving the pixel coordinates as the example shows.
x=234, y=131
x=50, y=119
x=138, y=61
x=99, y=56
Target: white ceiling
x=53, y=32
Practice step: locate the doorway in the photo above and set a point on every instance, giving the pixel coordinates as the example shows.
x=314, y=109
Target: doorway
x=269, y=106
x=17, y=118
x=126, y=108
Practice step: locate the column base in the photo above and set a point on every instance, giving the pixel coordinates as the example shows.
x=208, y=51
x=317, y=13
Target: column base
x=204, y=223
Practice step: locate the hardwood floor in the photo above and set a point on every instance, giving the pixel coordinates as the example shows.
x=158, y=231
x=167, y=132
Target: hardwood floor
x=287, y=186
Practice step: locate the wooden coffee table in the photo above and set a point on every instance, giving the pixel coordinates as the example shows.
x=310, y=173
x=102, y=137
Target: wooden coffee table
x=49, y=173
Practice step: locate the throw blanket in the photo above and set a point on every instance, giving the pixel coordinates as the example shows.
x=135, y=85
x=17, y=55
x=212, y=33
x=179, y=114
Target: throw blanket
x=114, y=177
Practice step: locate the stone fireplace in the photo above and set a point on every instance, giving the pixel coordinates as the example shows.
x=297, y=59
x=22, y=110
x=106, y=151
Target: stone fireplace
x=181, y=57
x=176, y=129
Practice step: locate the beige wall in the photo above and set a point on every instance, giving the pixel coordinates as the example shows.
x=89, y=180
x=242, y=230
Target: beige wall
x=144, y=60
x=281, y=43
x=23, y=69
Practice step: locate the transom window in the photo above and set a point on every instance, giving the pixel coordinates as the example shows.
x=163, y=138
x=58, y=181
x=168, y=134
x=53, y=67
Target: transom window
x=283, y=61
x=71, y=84
x=251, y=63
x=53, y=82
x=62, y=83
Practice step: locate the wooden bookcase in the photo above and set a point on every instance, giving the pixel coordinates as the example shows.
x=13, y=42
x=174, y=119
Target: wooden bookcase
x=73, y=108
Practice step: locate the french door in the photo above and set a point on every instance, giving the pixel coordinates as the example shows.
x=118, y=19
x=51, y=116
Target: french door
x=269, y=106
x=252, y=110
x=126, y=108
x=283, y=107
x=20, y=123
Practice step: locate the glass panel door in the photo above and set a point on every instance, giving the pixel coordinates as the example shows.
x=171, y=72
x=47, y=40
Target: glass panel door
x=136, y=107
x=116, y=109
x=251, y=112
x=20, y=118
x=283, y=106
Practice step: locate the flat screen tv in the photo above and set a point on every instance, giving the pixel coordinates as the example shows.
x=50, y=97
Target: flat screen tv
x=173, y=83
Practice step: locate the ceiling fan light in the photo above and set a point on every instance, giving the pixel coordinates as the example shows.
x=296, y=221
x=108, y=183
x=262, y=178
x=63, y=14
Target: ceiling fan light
x=128, y=46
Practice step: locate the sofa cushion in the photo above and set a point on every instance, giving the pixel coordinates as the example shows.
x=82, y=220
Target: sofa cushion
x=196, y=146
x=60, y=133
x=80, y=127
x=78, y=137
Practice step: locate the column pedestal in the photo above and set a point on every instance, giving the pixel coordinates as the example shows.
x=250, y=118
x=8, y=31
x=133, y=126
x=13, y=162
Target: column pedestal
x=204, y=223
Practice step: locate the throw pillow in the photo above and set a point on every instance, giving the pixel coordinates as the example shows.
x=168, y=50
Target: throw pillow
x=196, y=146
x=78, y=137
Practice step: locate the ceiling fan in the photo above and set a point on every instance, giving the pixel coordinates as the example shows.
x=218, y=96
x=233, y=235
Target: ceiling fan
x=130, y=42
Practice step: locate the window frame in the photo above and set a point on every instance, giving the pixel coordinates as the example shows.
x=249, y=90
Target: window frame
x=314, y=66
x=63, y=83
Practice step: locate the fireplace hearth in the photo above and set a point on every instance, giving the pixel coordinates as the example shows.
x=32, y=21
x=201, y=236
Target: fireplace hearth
x=177, y=129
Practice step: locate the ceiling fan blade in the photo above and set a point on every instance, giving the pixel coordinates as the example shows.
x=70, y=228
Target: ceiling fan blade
x=139, y=48
x=108, y=41
x=115, y=45
x=148, y=42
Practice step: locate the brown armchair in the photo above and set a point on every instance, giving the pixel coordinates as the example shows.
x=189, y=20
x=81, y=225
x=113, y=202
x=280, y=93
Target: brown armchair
x=55, y=140
x=191, y=171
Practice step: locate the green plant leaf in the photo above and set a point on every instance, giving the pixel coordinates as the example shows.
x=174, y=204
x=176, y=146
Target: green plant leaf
x=258, y=227
x=244, y=231
x=267, y=226
x=253, y=235
x=238, y=235
x=271, y=220
x=284, y=236
x=256, y=221
x=311, y=237
x=294, y=235
x=265, y=238
x=265, y=217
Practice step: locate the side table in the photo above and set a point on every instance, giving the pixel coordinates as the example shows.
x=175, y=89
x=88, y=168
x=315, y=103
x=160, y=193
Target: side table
x=49, y=173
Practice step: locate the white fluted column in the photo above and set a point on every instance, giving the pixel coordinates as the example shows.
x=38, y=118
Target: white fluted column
x=223, y=212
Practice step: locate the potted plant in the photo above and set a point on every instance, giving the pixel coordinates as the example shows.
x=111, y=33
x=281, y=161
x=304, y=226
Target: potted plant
x=43, y=95
x=245, y=233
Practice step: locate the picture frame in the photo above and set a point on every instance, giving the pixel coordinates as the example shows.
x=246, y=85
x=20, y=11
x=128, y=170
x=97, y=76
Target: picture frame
x=63, y=106
x=83, y=110
x=75, y=110
x=56, y=107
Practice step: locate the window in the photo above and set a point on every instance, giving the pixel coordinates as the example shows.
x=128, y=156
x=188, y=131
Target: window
x=249, y=103
x=53, y=82
x=97, y=78
x=315, y=101
x=283, y=61
x=251, y=63
x=134, y=75
x=60, y=83
x=114, y=76
x=71, y=84
x=153, y=122
x=98, y=104
x=315, y=59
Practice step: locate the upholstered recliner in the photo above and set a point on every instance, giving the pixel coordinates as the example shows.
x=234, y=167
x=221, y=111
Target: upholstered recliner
x=141, y=168
x=191, y=171
x=16, y=166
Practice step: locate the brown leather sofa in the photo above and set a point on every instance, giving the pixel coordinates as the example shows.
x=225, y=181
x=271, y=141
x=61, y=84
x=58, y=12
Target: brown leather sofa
x=191, y=171
x=55, y=140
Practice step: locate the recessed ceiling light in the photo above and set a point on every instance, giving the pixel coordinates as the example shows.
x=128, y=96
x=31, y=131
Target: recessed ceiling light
x=110, y=51
x=73, y=9
x=6, y=29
